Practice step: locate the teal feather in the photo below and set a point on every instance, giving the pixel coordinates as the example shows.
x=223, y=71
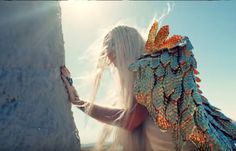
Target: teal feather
x=155, y=62
x=174, y=62
x=165, y=58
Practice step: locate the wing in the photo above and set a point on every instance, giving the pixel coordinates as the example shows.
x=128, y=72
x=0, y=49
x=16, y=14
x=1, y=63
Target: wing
x=166, y=83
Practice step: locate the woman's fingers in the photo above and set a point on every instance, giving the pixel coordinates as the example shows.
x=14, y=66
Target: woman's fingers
x=65, y=71
x=73, y=96
x=66, y=82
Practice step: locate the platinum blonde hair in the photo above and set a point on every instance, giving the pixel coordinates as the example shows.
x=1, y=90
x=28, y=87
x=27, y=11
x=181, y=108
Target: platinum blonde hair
x=125, y=44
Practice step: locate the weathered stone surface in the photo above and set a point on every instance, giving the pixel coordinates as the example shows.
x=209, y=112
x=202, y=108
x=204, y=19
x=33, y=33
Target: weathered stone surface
x=35, y=113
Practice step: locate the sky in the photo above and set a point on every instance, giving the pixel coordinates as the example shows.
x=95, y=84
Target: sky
x=210, y=25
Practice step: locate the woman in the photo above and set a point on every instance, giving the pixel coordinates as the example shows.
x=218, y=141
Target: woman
x=136, y=131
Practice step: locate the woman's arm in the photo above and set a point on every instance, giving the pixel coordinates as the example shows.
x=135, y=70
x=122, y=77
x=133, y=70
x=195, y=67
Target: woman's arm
x=128, y=119
x=136, y=117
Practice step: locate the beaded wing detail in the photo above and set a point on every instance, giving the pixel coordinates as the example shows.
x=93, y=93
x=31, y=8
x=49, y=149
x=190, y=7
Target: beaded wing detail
x=166, y=84
x=157, y=42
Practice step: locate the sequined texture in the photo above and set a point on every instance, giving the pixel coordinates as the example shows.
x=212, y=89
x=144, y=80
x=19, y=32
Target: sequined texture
x=151, y=37
x=166, y=84
x=161, y=36
x=171, y=42
x=159, y=40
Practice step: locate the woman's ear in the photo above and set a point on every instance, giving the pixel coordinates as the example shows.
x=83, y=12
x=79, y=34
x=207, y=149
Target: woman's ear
x=111, y=56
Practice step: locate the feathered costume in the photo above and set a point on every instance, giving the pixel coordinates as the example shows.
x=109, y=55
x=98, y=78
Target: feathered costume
x=166, y=84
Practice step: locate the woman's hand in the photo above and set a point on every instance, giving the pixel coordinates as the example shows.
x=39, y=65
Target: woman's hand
x=73, y=96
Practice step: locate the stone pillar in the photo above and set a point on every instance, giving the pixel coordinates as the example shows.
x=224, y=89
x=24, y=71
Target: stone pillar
x=35, y=114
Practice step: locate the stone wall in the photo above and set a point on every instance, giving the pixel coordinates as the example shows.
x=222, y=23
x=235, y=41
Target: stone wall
x=35, y=113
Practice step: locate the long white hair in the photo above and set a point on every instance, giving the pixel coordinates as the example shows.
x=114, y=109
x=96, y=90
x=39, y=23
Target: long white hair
x=126, y=45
